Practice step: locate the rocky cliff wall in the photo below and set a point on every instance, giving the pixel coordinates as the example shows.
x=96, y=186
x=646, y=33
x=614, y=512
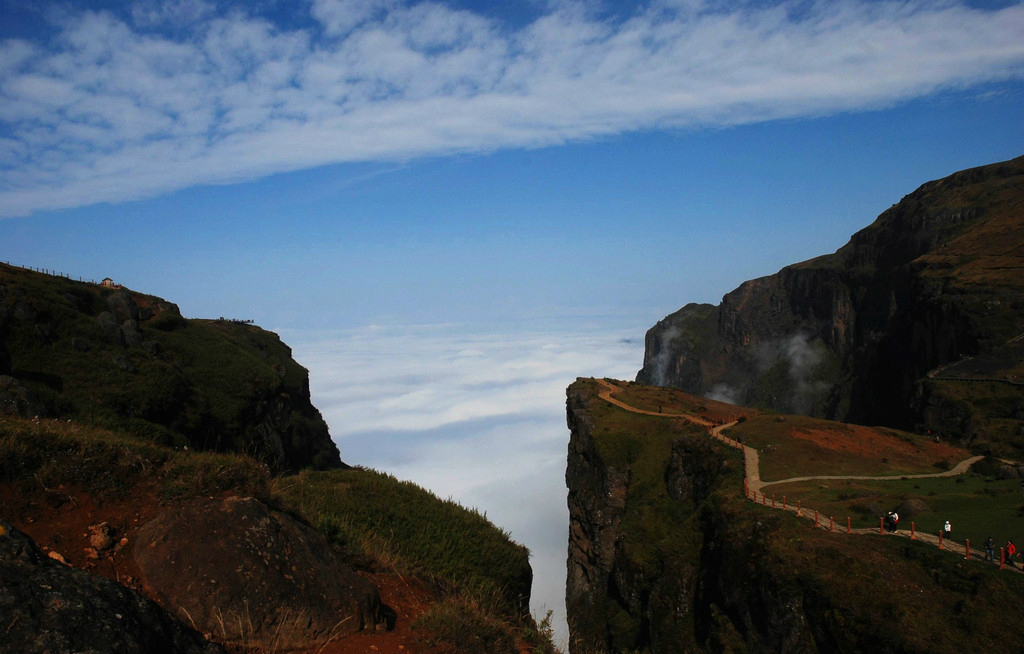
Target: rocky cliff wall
x=658, y=560
x=632, y=575
x=849, y=336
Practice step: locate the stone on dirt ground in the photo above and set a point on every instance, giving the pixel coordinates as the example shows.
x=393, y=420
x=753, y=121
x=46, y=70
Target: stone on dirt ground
x=248, y=575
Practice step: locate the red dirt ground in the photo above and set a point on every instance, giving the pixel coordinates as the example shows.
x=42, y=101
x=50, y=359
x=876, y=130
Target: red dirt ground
x=59, y=519
x=866, y=442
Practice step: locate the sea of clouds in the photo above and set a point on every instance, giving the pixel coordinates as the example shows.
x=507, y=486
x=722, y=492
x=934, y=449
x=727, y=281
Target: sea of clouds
x=475, y=413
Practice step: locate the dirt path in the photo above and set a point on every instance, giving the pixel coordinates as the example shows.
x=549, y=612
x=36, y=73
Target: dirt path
x=754, y=485
x=959, y=469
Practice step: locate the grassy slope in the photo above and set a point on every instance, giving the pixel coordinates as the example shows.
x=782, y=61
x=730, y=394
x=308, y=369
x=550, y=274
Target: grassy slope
x=375, y=520
x=372, y=514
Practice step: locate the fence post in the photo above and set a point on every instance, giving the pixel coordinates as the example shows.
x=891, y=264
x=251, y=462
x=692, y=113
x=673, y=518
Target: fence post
x=1002, y=558
x=913, y=534
x=831, y=524
x=783, y=502
x=815, y=517
x=967, y=549
x=940, y=540
x=847, y=524
x=773, y=500
x=881, y=525
x=764, y=499
x=798, y=511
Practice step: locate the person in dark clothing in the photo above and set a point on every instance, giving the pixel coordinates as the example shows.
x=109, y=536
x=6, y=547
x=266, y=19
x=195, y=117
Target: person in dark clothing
x=990, y=549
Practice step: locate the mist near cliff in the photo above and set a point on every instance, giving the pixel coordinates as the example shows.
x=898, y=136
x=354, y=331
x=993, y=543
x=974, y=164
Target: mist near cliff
x=472, y=412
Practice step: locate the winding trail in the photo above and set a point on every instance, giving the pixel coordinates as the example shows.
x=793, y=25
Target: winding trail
x=755, y=486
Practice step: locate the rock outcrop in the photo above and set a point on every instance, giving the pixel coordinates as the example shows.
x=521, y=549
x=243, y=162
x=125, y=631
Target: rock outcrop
x=250, y=576
x=853, y=336
x=46, y=607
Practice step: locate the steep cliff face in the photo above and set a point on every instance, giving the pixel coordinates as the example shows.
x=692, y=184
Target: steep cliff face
x=125, y=360
x=632, y=564
x=665, y=555
x=850, y=336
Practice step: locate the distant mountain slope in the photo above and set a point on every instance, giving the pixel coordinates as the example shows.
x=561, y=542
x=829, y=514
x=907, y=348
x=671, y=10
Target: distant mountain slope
x=129, y=361
x=935, y=280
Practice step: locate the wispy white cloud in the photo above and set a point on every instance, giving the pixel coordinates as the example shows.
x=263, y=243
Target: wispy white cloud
x=169, y=95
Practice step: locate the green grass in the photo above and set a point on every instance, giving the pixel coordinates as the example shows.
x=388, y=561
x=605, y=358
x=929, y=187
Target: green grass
x=373, y=516
x=469, y=626
x=381, y=522
x=50, y=453
x=976, y=506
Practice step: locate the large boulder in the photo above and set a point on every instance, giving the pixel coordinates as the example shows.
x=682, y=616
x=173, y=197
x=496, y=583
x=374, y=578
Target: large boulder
x=253, y=577
x=46, y=606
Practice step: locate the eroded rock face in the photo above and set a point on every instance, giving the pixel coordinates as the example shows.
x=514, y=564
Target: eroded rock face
x=597, y=500
x=248, y=575
x=46, y=607
x=619, y=598
x=848, y=336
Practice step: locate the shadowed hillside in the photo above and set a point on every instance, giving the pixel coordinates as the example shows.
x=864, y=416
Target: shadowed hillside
x=116, y=358
x=875, y=332
x=668, y=554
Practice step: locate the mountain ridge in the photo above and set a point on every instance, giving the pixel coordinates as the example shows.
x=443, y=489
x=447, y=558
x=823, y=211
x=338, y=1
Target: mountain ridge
x=853, y=335
x=113, y=357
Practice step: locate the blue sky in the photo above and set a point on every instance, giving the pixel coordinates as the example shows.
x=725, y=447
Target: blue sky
x=390, y=184
x=378, y=161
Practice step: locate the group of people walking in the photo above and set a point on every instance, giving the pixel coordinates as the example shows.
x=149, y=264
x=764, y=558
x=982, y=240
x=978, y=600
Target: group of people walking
x=1010, y=551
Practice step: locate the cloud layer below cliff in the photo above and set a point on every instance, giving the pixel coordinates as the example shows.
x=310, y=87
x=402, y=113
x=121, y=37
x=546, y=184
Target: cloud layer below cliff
x=475, y=413
x=112, y=105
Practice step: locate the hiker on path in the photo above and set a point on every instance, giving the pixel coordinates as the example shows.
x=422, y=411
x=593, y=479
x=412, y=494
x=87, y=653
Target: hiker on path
x=1011, y=549
x=947, y=528
x=895, y=521
x=990, y=549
